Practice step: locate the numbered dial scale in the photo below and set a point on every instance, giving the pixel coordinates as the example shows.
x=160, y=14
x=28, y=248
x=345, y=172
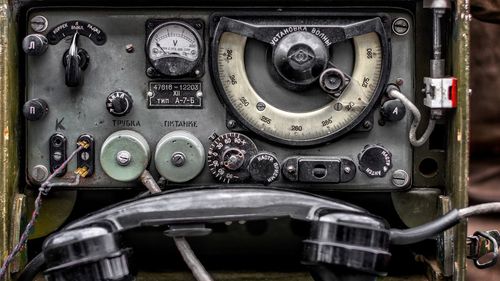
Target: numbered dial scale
x=174, y=48
x=293, y=107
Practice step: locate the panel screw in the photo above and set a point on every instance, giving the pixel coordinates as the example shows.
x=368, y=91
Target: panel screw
x=260, y=106
x=149, y=93
x=198, y=25
x=40, y=173
x=400, y=26
x=150, y=71
x=347, y=170
x=231, y=124
x=39, y=23
x=400, y=81
x=123, y=158
x=199, y=94
x=291, y=169
x=129, y=48
x=400, y=178
x=367, y=124
x=178, y=159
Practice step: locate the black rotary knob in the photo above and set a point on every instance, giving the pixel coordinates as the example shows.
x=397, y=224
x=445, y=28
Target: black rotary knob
x=264, y=168
x=35, y=44
x=375, y=161
x=35, y=109
x=393, y=110
x=119, y=103
x=300, y=58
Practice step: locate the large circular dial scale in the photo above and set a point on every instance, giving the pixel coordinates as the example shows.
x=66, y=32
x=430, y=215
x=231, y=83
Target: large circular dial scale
x=326, y=122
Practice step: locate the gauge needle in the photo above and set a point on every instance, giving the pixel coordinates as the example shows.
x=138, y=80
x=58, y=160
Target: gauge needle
x=159, y=46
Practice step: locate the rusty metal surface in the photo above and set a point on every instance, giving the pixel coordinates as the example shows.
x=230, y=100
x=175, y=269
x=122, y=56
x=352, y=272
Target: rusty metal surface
x=458, y=152
x=9, y=139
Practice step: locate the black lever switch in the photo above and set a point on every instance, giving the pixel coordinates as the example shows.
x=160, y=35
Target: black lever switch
x=75, y=61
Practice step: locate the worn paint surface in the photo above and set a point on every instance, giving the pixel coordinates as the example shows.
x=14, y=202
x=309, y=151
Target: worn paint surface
x=9, y=159
x=458, y=153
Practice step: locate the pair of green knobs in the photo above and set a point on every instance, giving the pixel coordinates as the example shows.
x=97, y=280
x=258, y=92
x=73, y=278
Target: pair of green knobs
x=179, y=156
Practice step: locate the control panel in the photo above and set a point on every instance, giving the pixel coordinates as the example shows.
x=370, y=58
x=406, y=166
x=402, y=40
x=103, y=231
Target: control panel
x=274, y=97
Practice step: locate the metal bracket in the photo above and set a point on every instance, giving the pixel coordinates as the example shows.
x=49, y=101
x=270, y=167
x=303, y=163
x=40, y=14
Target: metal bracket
x=481, y=244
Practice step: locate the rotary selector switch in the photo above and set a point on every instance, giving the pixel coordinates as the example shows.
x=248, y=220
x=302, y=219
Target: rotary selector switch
x=264, y=168
x=375, y=161
x=35, y=109
x=119, y=103
x=35, y=44
x=229, y=156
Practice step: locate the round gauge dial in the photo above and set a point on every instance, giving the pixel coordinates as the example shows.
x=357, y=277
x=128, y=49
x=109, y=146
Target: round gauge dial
x=315, y=125
x=174, y=48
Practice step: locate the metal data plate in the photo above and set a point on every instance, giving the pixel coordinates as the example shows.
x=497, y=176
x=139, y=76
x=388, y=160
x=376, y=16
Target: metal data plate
x=175, y=94
x=82, y=110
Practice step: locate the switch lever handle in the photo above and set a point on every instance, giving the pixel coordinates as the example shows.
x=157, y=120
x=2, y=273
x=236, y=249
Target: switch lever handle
x=72, y=65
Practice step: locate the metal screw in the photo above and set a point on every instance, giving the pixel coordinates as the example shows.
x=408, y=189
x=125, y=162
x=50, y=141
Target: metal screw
x=347, y=170
x=261, y=106
x=39, y=23
x=198, y=25
x=129, y=48
x=231, y=124
x=178, y=159
x=149, y=94
x=400, y=26
x=367, y=124
x=400, y=178
x=199, y=94
x=85, y=156
x=150, y=71
x=40, y=173
x=57, y=156
x=123, y=158
x=400, y=81
x=291, y=169
x=197, y=72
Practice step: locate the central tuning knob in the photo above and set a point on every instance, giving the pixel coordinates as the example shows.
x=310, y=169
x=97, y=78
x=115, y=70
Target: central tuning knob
x=119, y=103
x=300, y=58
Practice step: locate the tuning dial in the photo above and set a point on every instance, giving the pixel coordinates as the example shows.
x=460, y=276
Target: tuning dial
x=119, y=103
x=375, y=161
x=300, y=57
x=393, y=110
x=35, y=44
x=229, y=156
x=35, y=109
x=264, y=168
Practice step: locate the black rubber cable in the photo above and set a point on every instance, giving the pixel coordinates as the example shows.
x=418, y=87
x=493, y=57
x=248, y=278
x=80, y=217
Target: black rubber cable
x=425, y=231
x=35, y=266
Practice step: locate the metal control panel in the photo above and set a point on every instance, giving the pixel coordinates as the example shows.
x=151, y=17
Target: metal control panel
x=277, y=97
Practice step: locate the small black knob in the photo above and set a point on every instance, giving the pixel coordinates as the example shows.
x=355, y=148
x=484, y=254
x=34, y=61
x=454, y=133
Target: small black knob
x=393, y=110
x=35, y=109
x=119, y=103
x=375, y=161
x=35, y=44
x=264, y=168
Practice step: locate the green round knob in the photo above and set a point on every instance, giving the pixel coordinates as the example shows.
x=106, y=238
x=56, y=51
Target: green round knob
x=179, y=156
x=125, y=155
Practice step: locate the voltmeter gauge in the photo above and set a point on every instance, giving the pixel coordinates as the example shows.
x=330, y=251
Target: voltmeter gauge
x=174, y=48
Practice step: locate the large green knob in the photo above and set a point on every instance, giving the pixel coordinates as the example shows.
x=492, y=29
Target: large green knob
x=125, y=155
x=179, y=156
